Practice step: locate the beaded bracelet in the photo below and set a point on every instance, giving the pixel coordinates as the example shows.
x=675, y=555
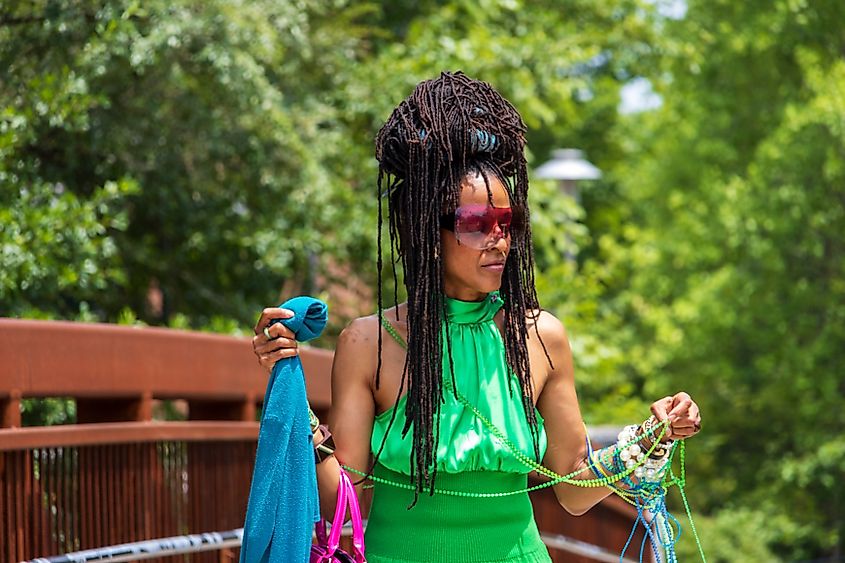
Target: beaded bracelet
x=645, y=431
x=647, y=466
x=313, y=421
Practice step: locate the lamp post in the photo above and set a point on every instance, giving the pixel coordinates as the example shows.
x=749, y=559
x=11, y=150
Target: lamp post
x=568, y=166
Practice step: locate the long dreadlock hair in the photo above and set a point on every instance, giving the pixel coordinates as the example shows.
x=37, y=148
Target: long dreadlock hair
x=448, y=127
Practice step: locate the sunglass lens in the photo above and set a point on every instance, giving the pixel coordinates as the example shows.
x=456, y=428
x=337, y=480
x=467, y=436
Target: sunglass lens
x=475, y=225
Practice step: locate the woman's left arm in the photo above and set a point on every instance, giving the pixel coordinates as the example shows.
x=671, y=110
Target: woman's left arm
x=558, y=404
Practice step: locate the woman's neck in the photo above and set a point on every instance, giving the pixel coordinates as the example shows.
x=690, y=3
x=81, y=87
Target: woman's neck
x=464, y=294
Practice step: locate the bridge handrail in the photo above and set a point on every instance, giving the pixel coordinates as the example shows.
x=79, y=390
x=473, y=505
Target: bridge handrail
x=115, y=372
x=125, y=433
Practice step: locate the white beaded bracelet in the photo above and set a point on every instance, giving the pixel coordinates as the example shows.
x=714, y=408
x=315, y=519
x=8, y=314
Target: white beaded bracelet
x=634, y=457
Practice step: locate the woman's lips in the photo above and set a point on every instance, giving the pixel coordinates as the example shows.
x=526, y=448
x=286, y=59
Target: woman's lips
x=494, y=267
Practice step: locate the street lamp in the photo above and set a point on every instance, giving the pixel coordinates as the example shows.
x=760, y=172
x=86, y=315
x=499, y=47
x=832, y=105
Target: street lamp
x=568, y=166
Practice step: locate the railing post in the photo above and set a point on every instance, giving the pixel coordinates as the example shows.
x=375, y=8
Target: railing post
x=10, y=410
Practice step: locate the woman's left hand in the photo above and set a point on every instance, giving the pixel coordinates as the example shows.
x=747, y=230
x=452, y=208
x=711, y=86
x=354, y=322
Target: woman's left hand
x=683, y=415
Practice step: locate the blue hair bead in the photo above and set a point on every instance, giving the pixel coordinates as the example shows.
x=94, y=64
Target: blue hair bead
x=483, y=141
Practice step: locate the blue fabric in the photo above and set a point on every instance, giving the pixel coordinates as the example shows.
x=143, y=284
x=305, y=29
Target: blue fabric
x=283, y=502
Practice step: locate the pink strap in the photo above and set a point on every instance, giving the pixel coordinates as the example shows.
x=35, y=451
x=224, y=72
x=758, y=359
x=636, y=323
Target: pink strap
x=357, y=523
x=339, y=514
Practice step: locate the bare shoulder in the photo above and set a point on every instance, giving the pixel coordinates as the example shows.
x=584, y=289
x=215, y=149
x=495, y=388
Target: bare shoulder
x=356, y=353
x=357, y=347
x=365, y=330
x=555, y=354
x=551, y=329
x=362, y=331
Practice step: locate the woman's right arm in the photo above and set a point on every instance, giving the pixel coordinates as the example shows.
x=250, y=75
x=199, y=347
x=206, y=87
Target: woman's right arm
x=353, y=409
x=353, y=406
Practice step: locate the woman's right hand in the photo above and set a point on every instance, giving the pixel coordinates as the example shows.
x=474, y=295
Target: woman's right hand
x=281, y=343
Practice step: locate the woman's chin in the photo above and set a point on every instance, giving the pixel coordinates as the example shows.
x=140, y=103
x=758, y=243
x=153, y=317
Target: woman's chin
x=489, y=286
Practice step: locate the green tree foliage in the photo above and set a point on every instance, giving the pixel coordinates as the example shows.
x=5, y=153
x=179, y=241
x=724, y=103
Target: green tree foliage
x=183, y=144
x=728, y=270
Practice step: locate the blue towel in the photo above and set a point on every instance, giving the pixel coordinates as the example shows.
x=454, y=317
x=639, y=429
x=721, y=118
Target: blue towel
x=283, y=502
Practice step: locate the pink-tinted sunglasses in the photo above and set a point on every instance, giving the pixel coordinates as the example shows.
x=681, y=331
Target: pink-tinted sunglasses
x=475, y=225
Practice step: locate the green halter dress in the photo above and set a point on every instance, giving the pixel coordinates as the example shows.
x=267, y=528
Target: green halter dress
x=450, y=528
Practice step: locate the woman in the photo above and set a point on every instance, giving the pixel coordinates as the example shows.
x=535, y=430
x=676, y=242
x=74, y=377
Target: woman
x=484, y=387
